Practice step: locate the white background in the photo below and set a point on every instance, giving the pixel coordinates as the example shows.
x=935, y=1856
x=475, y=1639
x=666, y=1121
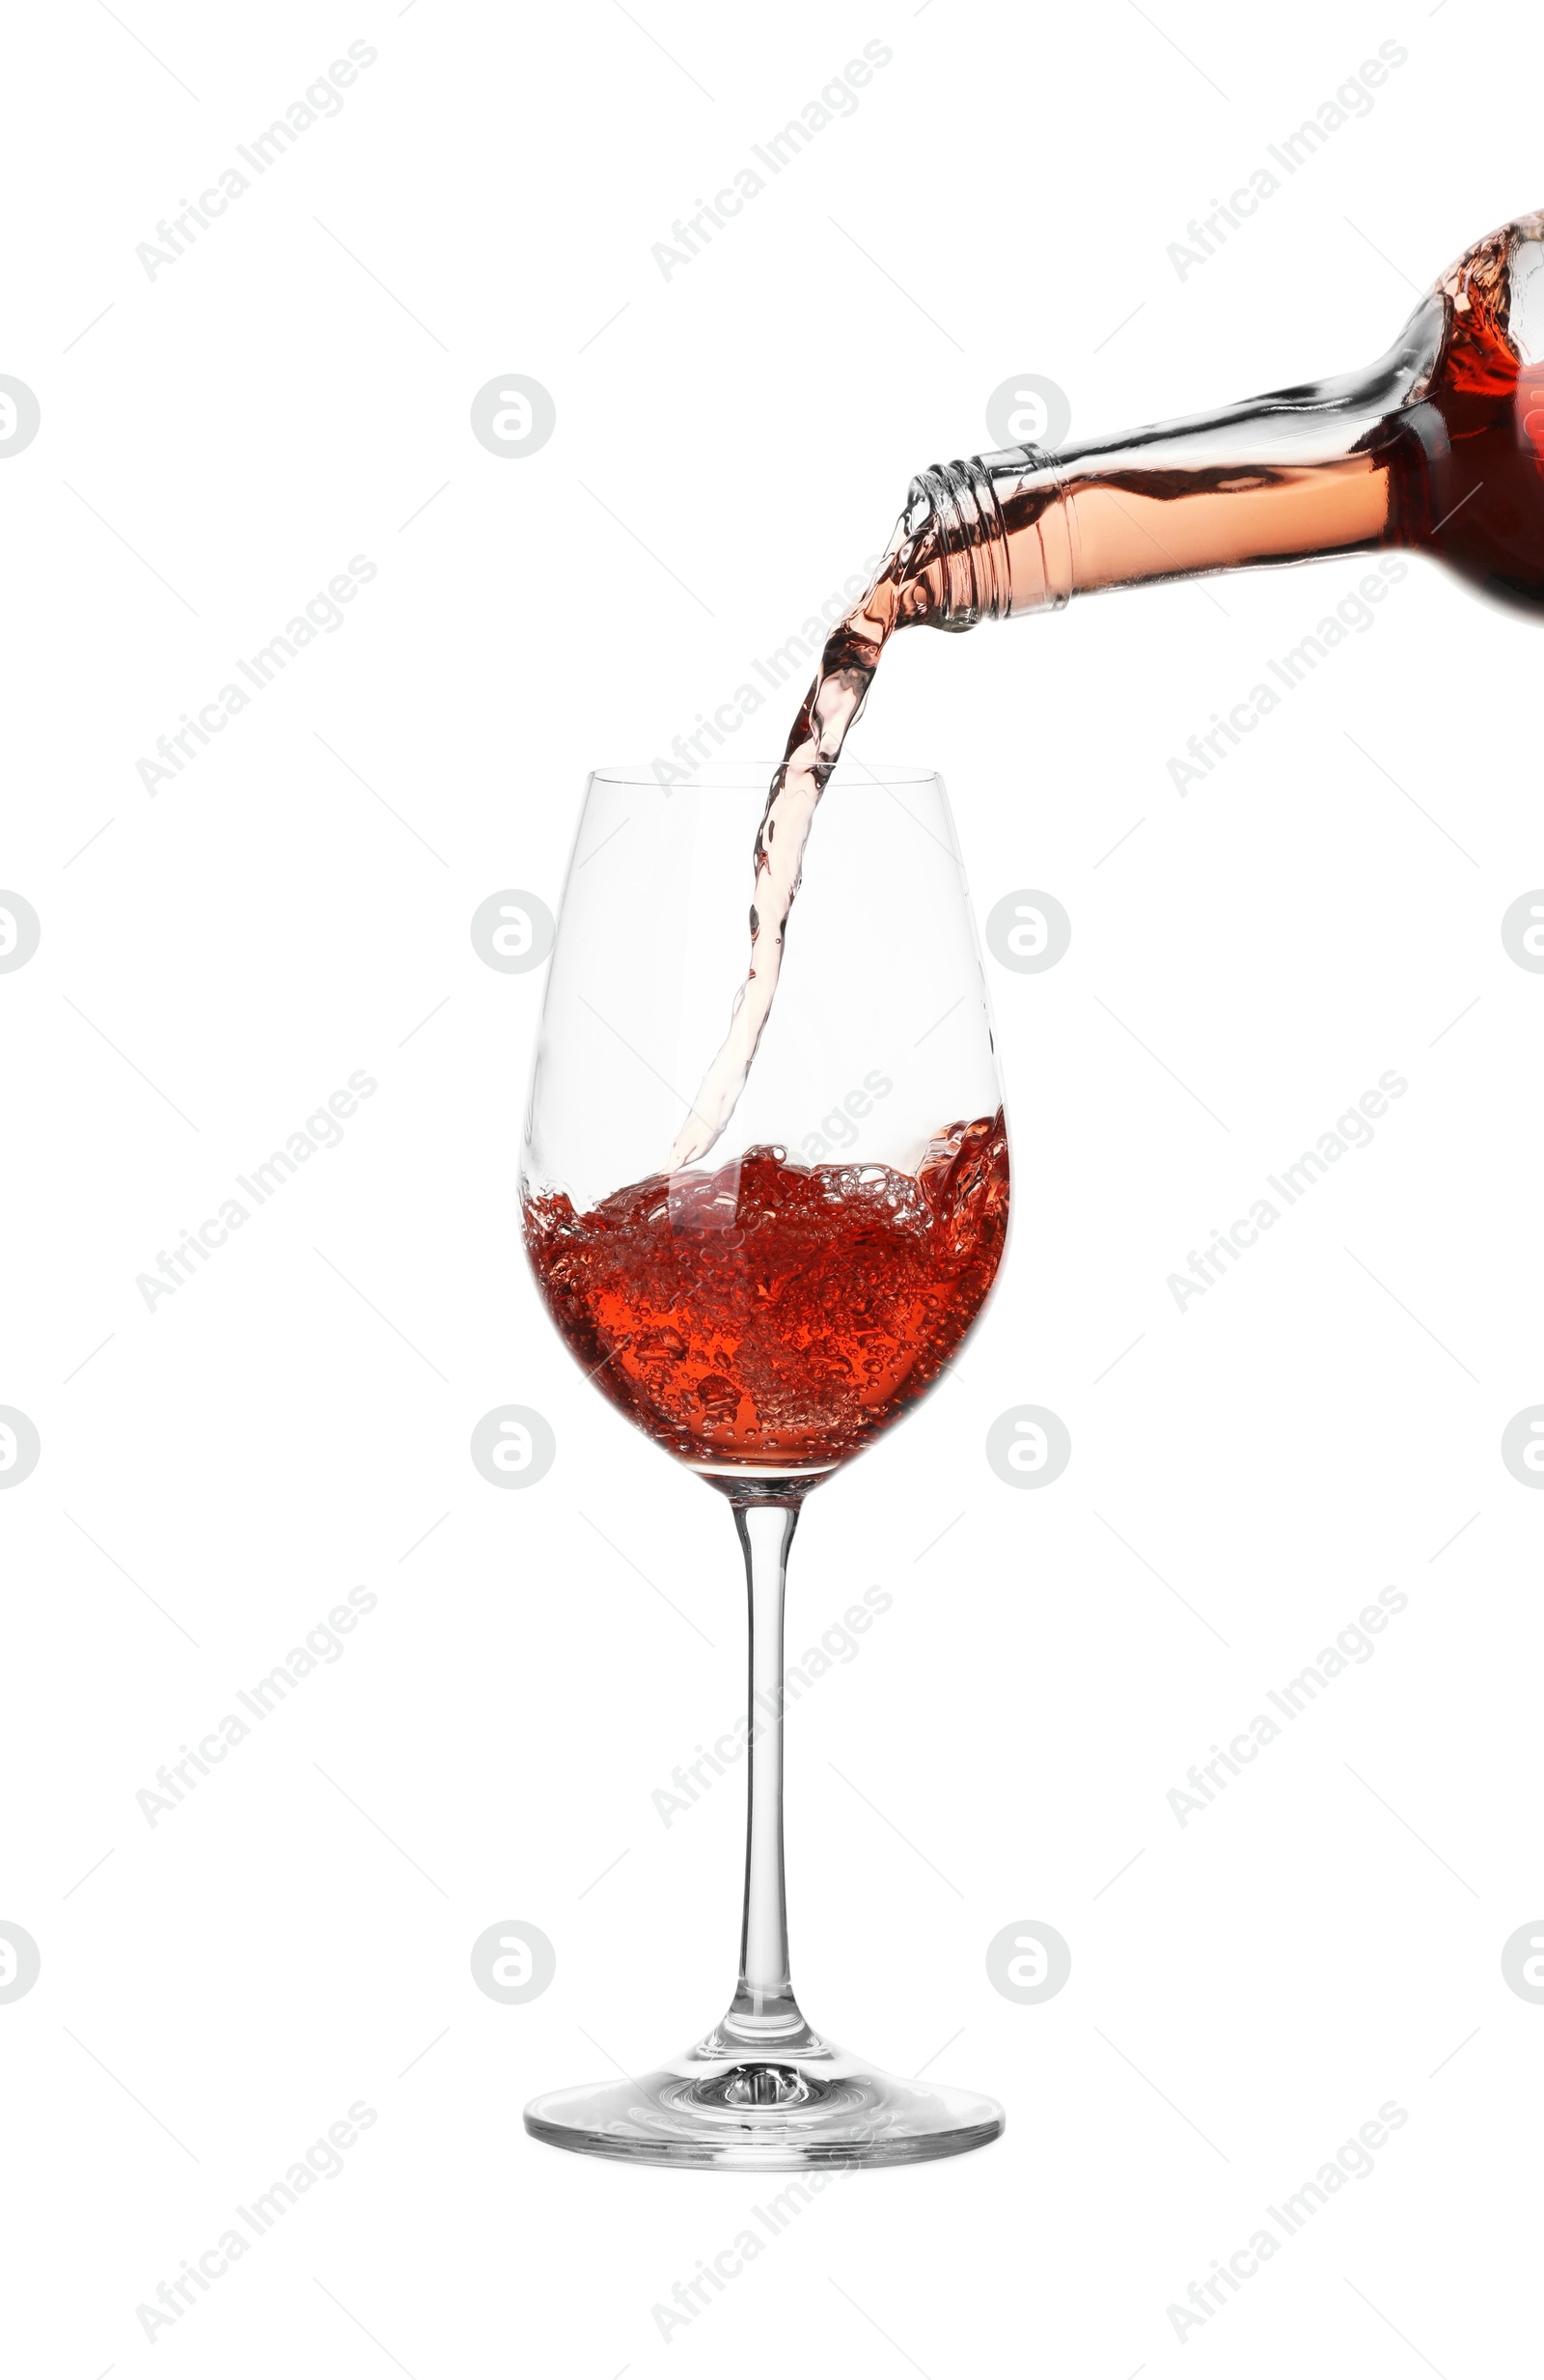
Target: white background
x=214, y=448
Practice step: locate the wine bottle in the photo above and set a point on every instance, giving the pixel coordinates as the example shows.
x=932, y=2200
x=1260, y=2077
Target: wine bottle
x=1438, y=447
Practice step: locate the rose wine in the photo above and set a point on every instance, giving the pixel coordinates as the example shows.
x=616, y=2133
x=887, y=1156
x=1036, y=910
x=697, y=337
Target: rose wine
x=771, y=1317
x=1438, y=447
x=841, y=687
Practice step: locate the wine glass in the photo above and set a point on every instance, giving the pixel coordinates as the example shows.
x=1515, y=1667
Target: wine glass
x=766, y=1313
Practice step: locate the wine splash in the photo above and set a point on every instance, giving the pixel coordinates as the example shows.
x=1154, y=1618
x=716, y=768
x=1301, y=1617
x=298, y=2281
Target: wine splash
x=775, y=1317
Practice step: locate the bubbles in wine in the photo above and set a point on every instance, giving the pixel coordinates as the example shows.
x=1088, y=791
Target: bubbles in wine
x=770, y=1316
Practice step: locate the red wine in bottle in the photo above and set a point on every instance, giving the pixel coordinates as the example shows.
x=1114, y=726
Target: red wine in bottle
x=1438, y=447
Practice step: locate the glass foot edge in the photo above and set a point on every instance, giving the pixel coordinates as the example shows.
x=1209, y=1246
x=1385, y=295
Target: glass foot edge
x=756, y=2157
x=851, y=2115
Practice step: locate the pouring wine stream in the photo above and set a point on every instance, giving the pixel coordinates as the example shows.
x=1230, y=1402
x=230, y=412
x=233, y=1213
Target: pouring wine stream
x=828, y=713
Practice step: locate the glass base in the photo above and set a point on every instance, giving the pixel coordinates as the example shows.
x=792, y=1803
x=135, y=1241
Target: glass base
x=775, y=2111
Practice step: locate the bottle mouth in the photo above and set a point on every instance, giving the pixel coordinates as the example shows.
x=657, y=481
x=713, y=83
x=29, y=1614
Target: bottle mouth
x=971, y=557
x=977, y=571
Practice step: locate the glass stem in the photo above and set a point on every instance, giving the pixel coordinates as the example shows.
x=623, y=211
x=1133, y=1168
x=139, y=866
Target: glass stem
x=765, y=2010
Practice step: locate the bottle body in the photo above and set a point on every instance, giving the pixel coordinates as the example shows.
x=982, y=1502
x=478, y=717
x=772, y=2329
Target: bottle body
x=1438, y=447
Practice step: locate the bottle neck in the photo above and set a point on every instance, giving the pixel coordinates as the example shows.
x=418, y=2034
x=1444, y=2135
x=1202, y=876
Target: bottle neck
x=1329, y=468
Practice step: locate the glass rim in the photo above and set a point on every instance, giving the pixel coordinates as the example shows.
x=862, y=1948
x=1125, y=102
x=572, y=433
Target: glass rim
x=754, y=776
